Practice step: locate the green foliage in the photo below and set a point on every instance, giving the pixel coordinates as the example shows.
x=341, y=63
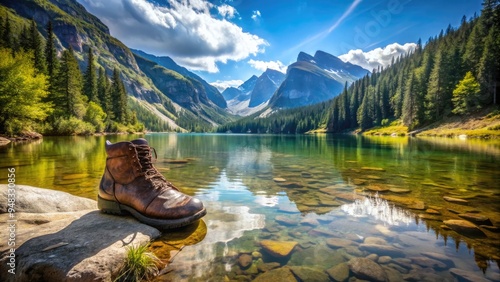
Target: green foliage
x=466, y=95
x=140, y=264
x=90, y=79
x=71, y=126
x=95, y=116
x=22, y=90
x=119, y=98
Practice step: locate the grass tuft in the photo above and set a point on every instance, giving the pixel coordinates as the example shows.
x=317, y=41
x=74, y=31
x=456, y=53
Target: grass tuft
x=141, y=264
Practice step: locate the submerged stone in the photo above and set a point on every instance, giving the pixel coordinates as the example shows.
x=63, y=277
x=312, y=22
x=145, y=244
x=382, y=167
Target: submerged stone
x=432, y=211
x=399, y=190
x=455, y=200
x=372, y=168
x=364, y=268
x=467, y=276
x=278, y=248
x=264, y=267
x=428, y=262
x=464, y=227
x=440, y=257
x=475, y=218
x=244, y=260
x=382, y=250
x=339, y=273
x=286, y=220
x=309, y=274
x=279, y=179
x=336, y=243
x=279, y=274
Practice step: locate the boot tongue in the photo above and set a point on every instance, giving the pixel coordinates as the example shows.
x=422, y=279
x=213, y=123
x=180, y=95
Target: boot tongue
x=140, y=141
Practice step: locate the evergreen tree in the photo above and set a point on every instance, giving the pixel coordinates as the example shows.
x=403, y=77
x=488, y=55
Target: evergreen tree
x=90, y=79
x=7, y=39
x=119, y=98
x=434, y=102
x=489, y=66
x=103, y=93
x=69, y=87
x=466, y=95
x=409, y=112
x=37, y=48
x=51, y=52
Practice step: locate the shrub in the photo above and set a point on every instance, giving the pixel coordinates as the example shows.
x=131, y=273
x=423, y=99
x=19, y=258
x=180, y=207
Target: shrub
x=72, y=126
x=140, y=264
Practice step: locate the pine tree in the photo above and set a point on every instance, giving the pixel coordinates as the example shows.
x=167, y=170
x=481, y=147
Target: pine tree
x=50, y=51
x=69, y=87
x=7, y=39
x=466, y=95
x=434, y=97
x=90, y=79
x=103, y=93
x=364, y=120
x=119, y=98
x=37, y=48
x=409, y=112
x=489, y=66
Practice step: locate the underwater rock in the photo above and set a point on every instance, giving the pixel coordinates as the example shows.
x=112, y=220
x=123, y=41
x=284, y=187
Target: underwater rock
x=399, y=190
x=375, y=240
x=336, y=243
x=339, y=272
x=428, y=262
x=309, y=274
x=440, y=257
x=278, y=248
x=467, y=276
x=464, y=227
x=278, y=274
x=382, y=250
x=279, y=179
x=286, y=220
x=455, y=200
x=372, y=168
x=367, y=269
x=244, y=260
x=475, y=218
x=268, y=266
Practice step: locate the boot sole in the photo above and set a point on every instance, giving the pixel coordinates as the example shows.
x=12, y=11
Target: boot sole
x=112, y=207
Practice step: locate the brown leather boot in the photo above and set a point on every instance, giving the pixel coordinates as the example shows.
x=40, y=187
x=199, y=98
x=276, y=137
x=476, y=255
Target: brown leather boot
x=131, y=184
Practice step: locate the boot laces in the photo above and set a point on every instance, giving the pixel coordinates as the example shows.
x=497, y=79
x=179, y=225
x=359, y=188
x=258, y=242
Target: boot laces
x=146, y=161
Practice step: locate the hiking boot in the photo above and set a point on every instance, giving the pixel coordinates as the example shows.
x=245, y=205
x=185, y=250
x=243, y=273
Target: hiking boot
x=131, y=184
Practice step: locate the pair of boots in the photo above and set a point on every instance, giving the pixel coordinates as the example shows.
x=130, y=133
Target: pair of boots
x=131, y=184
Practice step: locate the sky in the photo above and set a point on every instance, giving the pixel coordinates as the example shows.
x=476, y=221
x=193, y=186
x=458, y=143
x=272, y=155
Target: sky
x=228, y=41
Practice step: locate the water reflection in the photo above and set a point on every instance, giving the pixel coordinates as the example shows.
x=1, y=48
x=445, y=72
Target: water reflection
x=379, y=209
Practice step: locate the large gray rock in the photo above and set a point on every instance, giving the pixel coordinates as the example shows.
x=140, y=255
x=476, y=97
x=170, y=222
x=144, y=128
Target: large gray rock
x=367, y=269
x=38, y=200
x=83, y=245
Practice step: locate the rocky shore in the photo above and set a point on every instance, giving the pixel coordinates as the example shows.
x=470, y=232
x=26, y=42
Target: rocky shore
x=61, y=237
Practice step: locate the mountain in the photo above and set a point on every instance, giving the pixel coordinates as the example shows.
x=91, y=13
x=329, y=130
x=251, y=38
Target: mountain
x=253, y=94
x=212, y=93
x=265, y=86
x=76, y=28
x=311, y=80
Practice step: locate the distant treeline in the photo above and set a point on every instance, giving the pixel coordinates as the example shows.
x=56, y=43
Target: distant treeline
x=455, y=73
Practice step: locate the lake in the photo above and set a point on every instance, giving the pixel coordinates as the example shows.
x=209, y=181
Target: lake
x=306, y=206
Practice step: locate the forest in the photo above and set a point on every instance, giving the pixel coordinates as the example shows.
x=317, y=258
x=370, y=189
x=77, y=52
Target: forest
x=454, y=73
x=46, y=93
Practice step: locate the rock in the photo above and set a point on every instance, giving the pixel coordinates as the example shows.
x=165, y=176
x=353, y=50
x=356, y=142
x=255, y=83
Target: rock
x=339, y=273
x=306, y=175
x=408, y=202
x=384, y=259
x=349, y=197
x=440, y=257
x=308, y=274
x=278, y=248
x=373, y=257
x=376, y=188
x=455, y=200
x=364, y=268
x=37, y=200
x=329, y=203
x=432, y=211
x=4, y=141
x=467, y=276
x=268, y=266
x=375, y=240
x=322, y=232
x=336, y=243
x=359, y=181
x=372, y=168
x=464, y=227
x=399, y=190
x=279, y=274
x=256, y=255
x=84, y=245
x=475, y=218
x=309, y=221
x=279, y=179
x=290, y=185
x=490, y=228
x=382, y=250
x=286, y=220
x=374, y=177
x=428, y=262
x=244, y=260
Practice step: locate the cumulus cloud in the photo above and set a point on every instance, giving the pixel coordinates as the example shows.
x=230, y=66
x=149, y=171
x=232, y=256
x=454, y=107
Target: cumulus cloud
x=227, y=11
x=223, y=84
x=184, y=30
x=256, y=15
x=377, y=57
x=262, y=65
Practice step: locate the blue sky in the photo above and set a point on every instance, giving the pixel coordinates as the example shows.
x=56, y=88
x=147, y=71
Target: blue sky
x=227, y=41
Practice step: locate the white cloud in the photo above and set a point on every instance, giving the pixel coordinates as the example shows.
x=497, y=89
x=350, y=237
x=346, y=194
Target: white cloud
x=227, y=11
x=262, y=65
x=377, y=57
x=256, y=15
x=184, y=30
x=222, y=85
